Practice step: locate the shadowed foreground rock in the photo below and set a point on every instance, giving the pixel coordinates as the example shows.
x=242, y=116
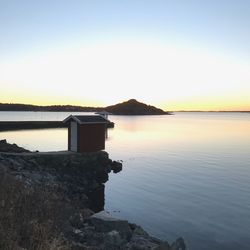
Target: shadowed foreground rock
x=113, y=233
x=53, y=201
x=11, y=148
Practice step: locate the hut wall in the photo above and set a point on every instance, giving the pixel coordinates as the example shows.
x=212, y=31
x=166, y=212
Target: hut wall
x=91, y=137
x=73, y=137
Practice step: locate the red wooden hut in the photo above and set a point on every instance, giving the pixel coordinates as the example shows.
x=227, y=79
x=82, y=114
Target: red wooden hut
x=86, y=133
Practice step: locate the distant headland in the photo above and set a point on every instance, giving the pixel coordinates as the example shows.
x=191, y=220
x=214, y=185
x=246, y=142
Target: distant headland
x=133, y=107
x=130, y=107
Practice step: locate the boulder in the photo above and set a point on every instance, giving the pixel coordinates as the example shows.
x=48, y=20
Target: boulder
x=116, y=166
x=104, y=222
x=179, y=244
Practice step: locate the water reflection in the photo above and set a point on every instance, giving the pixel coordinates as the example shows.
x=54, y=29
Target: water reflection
x=39, y=139
x=184, y=175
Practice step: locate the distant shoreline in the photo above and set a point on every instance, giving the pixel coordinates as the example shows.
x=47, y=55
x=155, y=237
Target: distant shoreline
x=50, y=108
x=211, y=111
x=130, y=107
x=72, y=108
x=169, y=112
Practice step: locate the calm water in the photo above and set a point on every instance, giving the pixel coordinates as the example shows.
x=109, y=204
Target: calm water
x=184, y=175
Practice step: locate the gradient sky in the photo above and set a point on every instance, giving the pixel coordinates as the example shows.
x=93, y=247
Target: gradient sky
x=178, y=55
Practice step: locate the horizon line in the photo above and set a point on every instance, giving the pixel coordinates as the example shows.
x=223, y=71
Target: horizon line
x=239, y=111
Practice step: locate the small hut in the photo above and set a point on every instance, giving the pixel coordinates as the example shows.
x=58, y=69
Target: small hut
x=86, y=133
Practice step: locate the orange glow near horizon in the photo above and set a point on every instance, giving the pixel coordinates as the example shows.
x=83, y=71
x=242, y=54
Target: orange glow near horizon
x=219, y=103
x=216, y=103
x=234, y=102
x=168, y=77
x=240, y=104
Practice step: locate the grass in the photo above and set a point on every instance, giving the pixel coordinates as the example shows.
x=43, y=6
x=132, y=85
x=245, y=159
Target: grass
x=29, y=219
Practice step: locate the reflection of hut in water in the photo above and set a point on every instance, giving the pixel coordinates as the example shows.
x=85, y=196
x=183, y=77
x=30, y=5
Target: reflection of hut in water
x=86, y=133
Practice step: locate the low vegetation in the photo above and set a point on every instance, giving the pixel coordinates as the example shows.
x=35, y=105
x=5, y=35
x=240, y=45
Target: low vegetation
x=25, y=217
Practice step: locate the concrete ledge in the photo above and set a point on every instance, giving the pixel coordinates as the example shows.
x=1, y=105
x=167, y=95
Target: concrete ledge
x=20, y=125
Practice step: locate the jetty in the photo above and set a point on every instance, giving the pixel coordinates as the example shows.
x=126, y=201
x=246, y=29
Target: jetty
x=21, y=125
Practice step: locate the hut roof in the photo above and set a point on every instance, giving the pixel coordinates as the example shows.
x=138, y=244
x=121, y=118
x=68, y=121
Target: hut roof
x=86, y=119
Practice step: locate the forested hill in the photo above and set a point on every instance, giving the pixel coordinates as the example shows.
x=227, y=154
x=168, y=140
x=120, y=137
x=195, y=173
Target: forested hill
x=133, y=107
x=28, y=107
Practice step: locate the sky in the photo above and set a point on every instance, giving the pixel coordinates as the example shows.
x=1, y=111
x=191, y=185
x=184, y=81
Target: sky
x=176, y=55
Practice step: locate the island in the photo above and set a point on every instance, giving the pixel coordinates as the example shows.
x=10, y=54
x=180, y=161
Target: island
x=133, y=107
x=55, y=200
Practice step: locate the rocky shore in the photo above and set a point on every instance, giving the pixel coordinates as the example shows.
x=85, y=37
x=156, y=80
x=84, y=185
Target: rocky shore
x=55, y=200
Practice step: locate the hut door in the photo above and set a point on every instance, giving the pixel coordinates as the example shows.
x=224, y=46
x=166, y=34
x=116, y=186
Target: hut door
x=73, y=139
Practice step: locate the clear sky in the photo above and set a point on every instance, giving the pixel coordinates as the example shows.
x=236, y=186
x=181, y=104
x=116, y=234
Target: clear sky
x=175, y=54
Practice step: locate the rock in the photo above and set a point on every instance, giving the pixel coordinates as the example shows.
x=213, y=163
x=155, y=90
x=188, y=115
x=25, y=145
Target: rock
x=113, y=240
x=13, y=148
x=179, y=244
x=119, y=234
x=116, y=166
x=104, y=222
x=76, y=220
x=139, y=231
x=2, y=203
x=141, y=243
x=163, y=246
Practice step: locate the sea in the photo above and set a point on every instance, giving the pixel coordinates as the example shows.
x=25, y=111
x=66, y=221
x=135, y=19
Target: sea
x=184, y=175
